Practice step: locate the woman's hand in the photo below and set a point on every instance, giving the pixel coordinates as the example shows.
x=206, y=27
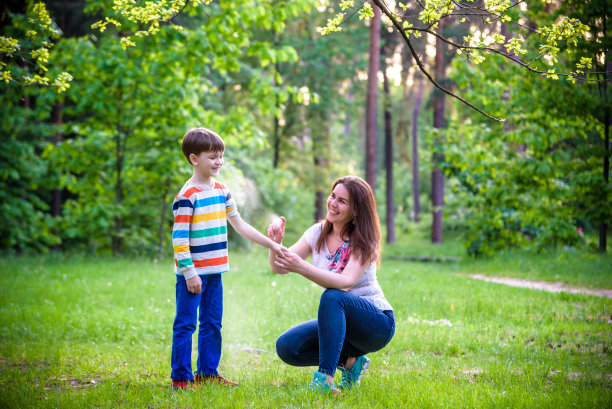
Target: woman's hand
x=290, y=261
x=276, y=230
x=301, y=250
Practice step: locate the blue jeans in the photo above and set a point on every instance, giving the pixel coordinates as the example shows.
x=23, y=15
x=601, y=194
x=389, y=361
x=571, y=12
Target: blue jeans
x=347, y=326
x=210, y=304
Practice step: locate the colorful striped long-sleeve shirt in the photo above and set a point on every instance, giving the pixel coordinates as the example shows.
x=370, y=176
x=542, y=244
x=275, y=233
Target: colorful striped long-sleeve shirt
x=199, y=236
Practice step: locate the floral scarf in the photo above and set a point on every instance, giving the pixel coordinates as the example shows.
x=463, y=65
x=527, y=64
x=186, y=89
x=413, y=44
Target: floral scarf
x=339, y=259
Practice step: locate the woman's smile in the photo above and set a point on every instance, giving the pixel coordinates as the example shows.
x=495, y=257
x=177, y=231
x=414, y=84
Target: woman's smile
x=338, y=206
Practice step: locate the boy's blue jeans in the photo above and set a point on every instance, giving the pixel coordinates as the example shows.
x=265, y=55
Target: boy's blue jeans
x=210, y=304
x=347, y=326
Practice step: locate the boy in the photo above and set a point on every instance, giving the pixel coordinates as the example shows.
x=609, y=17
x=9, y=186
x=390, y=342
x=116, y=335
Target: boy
x=199, y=237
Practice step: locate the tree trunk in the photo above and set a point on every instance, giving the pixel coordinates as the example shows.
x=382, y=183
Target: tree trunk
x=276, y=135
x=603, y=227
x=320, y=152
x=437, y=182
x=117, y=241
x=389, y=163
x=416, y=190
x=372, y=100
x=57, y=120
x=162, y=223
x=56, y=209
x=347, y=118
x=319, y=207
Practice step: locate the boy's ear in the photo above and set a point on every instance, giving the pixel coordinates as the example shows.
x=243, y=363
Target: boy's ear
x=193, y=159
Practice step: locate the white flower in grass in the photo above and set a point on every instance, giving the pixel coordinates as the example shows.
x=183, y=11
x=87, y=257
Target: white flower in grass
x=440, y=322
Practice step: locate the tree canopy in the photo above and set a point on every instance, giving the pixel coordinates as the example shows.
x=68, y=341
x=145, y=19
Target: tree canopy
x=96, y=97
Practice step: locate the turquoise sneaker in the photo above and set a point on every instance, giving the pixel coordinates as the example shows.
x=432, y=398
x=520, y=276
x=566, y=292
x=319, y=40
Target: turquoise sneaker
x=319, y=385
x=352, y=376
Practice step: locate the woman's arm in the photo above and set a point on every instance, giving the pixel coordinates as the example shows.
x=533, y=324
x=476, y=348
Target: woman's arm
x=276, y=232
x=289, y=261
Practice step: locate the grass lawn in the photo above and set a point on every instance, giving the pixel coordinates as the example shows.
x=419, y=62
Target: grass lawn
x=84, y=331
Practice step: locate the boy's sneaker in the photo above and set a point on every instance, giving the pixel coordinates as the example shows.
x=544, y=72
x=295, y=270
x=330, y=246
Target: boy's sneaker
x=183, y=385
x=319, y=385
x=352, y=376
x=218, y=379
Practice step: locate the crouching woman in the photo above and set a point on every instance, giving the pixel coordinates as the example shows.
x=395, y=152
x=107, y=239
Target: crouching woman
x=354, y=318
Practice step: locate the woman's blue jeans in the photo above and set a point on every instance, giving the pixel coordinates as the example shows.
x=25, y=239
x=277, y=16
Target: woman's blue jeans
x=210, y=304
x=347, y=326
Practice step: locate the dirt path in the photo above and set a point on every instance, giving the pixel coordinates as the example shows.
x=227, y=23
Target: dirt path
x=554, y=287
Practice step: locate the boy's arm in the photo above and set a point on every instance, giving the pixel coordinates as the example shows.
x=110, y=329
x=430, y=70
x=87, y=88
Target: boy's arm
x=183, y=211
x=249, y=232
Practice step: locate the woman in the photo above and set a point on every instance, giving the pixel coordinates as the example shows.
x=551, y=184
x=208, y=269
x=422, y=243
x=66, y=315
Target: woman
x=354, y=317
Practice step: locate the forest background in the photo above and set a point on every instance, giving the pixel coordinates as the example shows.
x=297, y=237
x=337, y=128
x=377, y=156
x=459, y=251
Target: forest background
x=92, y=120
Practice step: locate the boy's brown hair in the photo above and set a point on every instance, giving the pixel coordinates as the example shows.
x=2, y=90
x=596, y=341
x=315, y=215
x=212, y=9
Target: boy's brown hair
x=198, y=140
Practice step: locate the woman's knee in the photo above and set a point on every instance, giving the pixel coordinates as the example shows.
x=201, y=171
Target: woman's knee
x=286, y=350
x=299, y=346
x=331, y=296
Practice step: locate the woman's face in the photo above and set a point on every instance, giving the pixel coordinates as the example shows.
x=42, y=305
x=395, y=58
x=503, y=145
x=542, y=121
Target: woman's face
x=338, y=206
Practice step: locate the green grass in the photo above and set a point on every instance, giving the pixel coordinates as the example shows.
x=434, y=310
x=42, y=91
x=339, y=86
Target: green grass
x=96, y=332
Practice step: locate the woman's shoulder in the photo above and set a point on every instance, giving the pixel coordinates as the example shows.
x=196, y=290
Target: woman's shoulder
x=313, y=233
x=316, y=227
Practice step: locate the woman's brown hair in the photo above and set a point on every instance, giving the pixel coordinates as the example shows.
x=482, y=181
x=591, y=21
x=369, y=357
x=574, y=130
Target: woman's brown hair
x=364, y=230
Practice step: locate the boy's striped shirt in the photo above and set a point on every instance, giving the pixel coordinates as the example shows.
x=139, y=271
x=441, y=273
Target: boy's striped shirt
x=199, y=236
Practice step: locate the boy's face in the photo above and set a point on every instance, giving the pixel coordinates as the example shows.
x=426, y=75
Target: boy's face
x=207, y=164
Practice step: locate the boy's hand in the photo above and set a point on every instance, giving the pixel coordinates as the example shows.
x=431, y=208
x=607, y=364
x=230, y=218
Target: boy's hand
x=278, y=248
x=194, y=284
x=290, y=261
x=276, y=230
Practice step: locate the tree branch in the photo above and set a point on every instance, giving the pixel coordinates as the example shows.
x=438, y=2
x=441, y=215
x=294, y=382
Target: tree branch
x=169, y=21
x=505, y=55
x=420, y=64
